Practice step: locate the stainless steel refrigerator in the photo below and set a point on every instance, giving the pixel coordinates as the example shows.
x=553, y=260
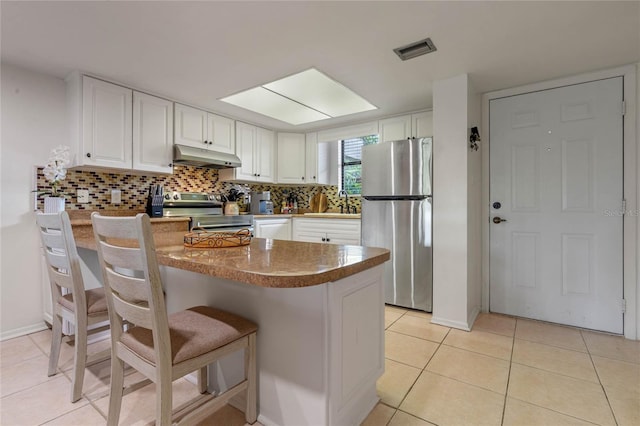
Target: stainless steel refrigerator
x=396, y=214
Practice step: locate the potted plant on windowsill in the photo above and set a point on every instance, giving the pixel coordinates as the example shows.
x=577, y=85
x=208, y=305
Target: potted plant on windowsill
x=55, y=171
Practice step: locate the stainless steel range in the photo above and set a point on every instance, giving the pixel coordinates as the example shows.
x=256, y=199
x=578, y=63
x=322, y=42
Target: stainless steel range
x=204, y=210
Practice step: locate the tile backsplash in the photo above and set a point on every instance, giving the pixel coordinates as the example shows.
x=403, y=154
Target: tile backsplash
x=135, y=187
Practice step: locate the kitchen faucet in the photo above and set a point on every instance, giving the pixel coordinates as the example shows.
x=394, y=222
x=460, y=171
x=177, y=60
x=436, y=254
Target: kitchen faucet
x=346, y=200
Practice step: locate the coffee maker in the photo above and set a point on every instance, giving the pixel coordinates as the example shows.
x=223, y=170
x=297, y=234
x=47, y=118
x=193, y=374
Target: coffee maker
x=261, y=203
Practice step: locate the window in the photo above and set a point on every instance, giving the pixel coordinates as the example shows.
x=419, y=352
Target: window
x=351, y=163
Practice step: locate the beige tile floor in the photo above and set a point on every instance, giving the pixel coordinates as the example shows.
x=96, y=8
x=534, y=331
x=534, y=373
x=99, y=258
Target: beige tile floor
x=28, y=397
x=506, y=371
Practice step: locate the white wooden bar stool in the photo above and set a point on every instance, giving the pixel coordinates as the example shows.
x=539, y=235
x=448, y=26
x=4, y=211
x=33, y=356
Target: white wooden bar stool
x=81, y=307
x=160, y=346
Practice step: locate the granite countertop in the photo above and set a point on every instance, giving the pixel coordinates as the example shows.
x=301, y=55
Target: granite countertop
x=83, y=217
x=264, y=262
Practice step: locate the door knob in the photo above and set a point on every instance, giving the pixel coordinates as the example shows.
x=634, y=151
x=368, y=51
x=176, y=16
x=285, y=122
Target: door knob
x=498, y=220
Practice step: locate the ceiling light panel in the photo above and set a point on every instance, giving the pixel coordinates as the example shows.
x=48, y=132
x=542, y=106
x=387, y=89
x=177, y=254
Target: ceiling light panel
x=316, y=90
x=266, y=102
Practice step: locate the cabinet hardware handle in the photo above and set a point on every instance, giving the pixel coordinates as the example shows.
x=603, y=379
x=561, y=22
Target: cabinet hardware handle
x=324, y=239
x=205, y=142
x=314, y=177
x=328, y=239
x=88, y=155
x=210, y=142
x=170, y=164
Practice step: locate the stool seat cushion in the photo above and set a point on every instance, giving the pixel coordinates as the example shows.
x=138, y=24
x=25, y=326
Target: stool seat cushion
x=193, y=332
x=96, y=301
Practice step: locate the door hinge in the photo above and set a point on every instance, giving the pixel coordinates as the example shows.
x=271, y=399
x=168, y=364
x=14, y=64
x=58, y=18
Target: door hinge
x=624, y=206
x=624, y=306
x=624, y=107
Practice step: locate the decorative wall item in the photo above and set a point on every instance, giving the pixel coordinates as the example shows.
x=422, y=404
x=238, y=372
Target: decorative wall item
x=135, y=188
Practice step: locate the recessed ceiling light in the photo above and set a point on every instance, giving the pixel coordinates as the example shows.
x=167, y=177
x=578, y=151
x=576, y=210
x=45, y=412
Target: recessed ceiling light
x=301, y=98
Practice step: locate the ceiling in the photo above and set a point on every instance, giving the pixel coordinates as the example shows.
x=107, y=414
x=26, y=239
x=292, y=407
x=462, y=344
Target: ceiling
x=198, y=52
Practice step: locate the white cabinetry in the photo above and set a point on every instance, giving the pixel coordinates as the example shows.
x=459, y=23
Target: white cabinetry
x=103, y=114
x=291, y=158
x=152, y=133
x=202, y=129
x=298, y=160
x=406, y=126
x=311, y=159
x=320, y=230
x=255, y=147
x=114, y=127
x=274, y=228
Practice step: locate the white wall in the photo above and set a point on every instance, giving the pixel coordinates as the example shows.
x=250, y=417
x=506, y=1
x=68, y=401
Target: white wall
x=636, y=108
x=474, y=208
x=33, y=122
x=451, y=256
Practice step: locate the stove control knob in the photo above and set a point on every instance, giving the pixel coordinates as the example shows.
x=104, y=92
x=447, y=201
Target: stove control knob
x=212, y=197
x=167, y=196
x=176, y=197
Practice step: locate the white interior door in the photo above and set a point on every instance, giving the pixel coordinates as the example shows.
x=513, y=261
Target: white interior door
x=556, y=172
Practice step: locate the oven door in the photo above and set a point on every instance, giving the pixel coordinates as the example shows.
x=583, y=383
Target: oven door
x=225, y=228
x=222, y=223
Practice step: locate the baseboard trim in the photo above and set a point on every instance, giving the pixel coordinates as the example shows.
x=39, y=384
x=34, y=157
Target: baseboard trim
x=449, y=323
x=22, y=331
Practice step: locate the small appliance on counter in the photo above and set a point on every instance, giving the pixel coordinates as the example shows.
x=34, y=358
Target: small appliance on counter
x=261, y=203
x=155, y=201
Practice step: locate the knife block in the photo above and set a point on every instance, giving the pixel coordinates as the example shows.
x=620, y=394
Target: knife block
x=154, y=206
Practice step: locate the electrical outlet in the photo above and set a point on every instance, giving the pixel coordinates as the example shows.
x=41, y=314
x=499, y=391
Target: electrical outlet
x=83, y=196
x=116, y=196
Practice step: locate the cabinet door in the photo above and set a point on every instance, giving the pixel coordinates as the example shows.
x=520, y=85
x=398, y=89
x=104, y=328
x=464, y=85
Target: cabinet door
x=343, y=231
x=264, y=155
x=245, y=142
x=277, y=229
x=311, y=158
x=152, y=133
x=291, y=158
x=106, y=124
x=308, y=230
x=422, y=124
x=395, y=128
x=221, y=133
x=191, y=126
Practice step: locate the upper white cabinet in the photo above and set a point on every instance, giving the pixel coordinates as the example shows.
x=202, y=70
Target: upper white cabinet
x=255, y=147
x=291, y=158
x=299, y=160
x=152, y=133
x=201, y=129
x=311, y=159
x=103, y=118
x=422, y=124
x=116, y=128
x=406, y=126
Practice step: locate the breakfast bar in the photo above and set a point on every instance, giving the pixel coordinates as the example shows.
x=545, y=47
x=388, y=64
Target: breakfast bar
x=320, y=312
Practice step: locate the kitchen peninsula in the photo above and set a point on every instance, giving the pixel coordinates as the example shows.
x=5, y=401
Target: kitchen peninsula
x=319, y=308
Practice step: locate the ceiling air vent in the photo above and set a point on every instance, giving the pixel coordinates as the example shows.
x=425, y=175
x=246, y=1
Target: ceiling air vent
x=418, y=48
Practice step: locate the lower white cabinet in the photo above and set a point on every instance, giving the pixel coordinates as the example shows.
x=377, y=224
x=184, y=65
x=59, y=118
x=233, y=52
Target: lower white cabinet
x=274, y=228
x=332, y=231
